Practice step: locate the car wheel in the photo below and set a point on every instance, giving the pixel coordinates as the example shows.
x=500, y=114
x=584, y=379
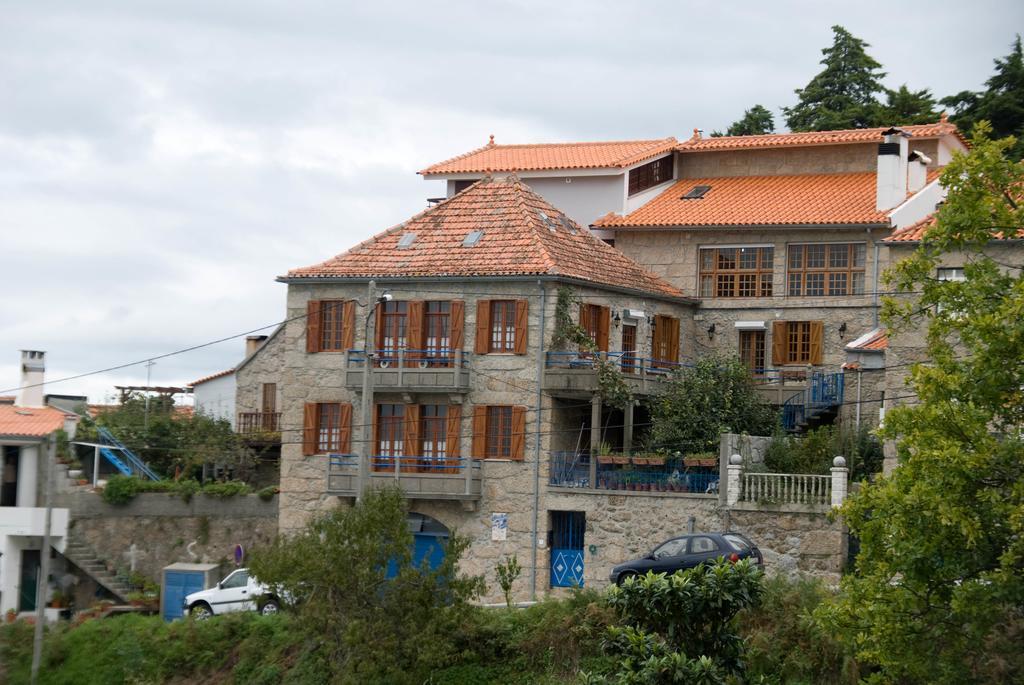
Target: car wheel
x=200, y=612
x=624, y=575
x=270, y=607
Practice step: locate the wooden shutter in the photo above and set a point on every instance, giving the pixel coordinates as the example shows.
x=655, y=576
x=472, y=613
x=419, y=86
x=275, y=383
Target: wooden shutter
x=779, y=357
x=378, y=326
x=309, y=420
x=458, y=323
x=313, y=326
x=817, y=341
x=603, y=321
x=522, y=325
x=479, y=432
x=672, y=337
x=518, y=433
x=411, y=435
x=453, y=438
x=414, y=332
x=348, y=325
x=345, y=433
x=585, y=320
x=483, y=326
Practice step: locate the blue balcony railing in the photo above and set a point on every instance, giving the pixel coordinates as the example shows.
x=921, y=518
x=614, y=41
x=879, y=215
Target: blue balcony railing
x=572, y=470
x=824, y=391
x=439, y=358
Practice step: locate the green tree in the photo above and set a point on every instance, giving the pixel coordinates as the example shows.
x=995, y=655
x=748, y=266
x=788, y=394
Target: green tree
x=757, y=120
x=371, y=628
x=699, y=403
x=1001, y=104
x=905, y=106
x=843, y=94
x=682, y=628
x=938, y=593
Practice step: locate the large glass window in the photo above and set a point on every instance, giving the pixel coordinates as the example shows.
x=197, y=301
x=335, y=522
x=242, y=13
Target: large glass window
x=826, y=270
x=391, y=332
x=752, y=351
x=328, y=428
x=438, y=332
x=499, y=432
x=331, y=325
x=433, y=436
x=736, y=271
x=650, y=174
x=503, y=326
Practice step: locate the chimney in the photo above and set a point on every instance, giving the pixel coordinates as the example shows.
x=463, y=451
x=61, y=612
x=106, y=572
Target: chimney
x=33, y=368
x=891, y=184
x=253, y=343
x=917, y=173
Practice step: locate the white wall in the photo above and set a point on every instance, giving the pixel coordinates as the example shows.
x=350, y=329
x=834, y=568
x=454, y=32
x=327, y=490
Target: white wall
x=585, y=200
x=28, y=475
x=22, y=528
x=216, y=398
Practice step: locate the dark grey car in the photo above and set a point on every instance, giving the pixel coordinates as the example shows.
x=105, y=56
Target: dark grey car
x=687, y=551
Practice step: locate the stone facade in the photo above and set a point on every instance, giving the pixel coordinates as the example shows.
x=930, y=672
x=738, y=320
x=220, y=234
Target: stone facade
x=263, y=366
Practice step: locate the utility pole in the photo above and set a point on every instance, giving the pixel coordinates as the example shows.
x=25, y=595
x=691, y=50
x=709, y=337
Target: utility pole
x=145, y=418
x=44, y=566
x=367, y=399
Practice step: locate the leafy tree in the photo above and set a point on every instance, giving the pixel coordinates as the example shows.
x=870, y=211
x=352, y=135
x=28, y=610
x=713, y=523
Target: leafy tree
x=1001, y=104
x=905, y=106
x=814, y=451
x=938, y=594
x=843, y=94
x=682, y=628
x=756, y=121
x=699, y=403
x=369, y=627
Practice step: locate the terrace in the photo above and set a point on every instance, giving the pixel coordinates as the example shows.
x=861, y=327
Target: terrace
x=436, y=370
x=420, y=477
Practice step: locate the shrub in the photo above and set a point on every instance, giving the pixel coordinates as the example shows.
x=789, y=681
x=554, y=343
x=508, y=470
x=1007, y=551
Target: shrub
x=122, y=489
x=814, y=452
x=266, y=494
x=508, y=572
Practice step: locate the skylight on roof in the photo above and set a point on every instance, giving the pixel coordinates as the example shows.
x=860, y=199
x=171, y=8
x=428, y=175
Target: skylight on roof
x=406, y=241
x=548, y=221
x=472, y=238
x=696, y=193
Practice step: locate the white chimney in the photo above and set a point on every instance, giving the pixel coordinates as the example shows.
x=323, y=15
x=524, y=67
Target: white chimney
x=253, y=343
x=891, y=188
x=917, y=173
x=33, y=369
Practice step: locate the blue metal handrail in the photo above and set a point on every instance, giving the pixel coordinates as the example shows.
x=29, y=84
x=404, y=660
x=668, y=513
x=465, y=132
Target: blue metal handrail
x=444, y=356
x=406, y=463
x=572, y=470
x=824, y=391
x=133, y=466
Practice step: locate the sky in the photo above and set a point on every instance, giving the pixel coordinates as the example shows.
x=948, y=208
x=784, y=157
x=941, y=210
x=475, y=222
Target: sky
x=161, y=163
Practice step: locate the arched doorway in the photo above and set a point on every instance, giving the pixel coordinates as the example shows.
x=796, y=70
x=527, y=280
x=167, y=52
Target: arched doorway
x=429, y=538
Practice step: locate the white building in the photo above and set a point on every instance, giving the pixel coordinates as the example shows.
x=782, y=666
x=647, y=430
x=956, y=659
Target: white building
x=214, y=395
x=28, y=449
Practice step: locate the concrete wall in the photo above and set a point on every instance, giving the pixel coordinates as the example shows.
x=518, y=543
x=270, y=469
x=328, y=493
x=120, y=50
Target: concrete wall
x=22, y=528
x=163, y=529
x=216, y=398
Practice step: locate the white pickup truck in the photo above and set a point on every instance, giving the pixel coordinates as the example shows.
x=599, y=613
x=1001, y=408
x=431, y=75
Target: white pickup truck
x=238, y=592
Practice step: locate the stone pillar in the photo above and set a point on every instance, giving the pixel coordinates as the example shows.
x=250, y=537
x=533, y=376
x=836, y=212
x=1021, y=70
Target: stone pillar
x=28, y=476
x=839, y=473
x=732, y=483
x=595, y=436
x=627, y=427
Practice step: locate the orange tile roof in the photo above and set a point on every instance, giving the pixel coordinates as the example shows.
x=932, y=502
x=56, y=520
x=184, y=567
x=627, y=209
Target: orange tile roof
x=522, y=235
x=912, y=233
x=30, y=422
x=760, y=201
x=212, y=376
x=550, y=156
x=773, y=140
x=872, y=341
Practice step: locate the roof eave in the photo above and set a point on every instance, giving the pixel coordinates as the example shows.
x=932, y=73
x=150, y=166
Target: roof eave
x=718, y=227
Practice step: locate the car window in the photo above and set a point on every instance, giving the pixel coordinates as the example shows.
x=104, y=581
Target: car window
x=736, y=541
x=236, y=579
x=672, y=548
x=702, y=544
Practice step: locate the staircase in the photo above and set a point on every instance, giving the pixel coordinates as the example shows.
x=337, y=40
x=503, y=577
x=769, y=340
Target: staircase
x=122, y=458
x=78, y=552
x=816, y=404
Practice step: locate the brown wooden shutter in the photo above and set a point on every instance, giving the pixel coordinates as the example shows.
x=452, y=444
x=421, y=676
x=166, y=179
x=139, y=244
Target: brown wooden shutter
x=817, y=341
x=779, y=343
x=411, y=435
x=458, y=324
x=313, y=326
x=378, y=326
x=603, y=321
x=483, y=326
x=310, y=414
x=348, y=325
x=345, y=434
x=518, y=433
x=672, y=337
x=479, y=432
x=585, y=321
x=522, y=326
x=414, y=332
x=453, y=438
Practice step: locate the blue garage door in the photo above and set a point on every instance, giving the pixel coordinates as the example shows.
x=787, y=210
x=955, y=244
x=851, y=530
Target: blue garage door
x=178, y=584
x=429, y=537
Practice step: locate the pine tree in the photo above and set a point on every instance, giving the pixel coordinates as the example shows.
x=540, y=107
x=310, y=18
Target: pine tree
x=1002, y=104
x=905, y=106
x=756, y=121
x=843, y=95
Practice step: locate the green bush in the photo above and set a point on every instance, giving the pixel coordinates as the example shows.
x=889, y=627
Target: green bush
x=266, y=494
x=814, y=451
x=122, y=489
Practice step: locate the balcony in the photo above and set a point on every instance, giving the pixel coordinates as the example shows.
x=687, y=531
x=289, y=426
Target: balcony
x=259, y=426
x=410, y=370
x=452, y=478
x=575, y=373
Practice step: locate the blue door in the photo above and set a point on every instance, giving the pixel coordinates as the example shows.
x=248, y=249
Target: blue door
x=178, y=584
x=429, y=546
x=567, y=528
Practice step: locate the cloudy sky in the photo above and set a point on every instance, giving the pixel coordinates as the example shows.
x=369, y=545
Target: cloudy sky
x=161, y=163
